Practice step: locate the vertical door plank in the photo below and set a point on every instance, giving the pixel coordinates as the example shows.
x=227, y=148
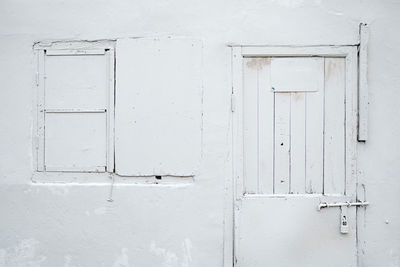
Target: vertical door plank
x=265, y=128
x=282, y=143
x=297, y=143
x=334, y=141
x=250, y=124
x=314, y=141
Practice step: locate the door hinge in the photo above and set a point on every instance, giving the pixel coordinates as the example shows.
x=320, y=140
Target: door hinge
x=233, y=103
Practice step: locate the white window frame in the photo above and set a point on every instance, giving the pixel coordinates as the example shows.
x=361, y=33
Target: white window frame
x=41, y=50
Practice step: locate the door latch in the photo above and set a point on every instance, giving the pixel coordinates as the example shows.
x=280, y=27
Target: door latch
x=344, y=225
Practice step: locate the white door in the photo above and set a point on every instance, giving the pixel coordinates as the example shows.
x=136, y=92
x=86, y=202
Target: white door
x=294, y=149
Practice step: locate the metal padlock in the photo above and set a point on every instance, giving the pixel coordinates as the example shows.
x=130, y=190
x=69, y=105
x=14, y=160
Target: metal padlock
x=344, y=225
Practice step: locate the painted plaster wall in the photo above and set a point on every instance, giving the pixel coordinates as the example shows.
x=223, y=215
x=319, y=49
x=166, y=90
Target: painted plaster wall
x=180, y=225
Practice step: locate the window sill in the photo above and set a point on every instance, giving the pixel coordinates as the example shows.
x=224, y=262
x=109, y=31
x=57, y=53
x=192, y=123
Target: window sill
x=106, y=179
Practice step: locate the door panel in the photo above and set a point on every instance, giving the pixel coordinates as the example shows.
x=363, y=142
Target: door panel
x=258, y=103
x=291, y=232
x=294, y=142
x=297, y=152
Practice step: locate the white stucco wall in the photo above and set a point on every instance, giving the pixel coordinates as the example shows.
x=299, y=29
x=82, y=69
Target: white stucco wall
x=180, y=225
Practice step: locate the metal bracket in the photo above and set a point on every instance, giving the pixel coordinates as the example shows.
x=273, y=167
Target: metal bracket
x=344, y=226
x=340, y=204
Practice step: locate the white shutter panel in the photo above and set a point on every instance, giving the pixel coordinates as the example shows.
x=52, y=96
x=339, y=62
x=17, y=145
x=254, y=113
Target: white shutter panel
x=158, y=107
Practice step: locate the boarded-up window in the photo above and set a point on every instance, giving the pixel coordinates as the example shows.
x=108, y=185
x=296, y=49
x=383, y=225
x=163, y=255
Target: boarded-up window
x=157, y=101
x=158, y=107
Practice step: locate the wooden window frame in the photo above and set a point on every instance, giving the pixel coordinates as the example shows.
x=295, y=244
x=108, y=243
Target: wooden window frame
x=43, y=49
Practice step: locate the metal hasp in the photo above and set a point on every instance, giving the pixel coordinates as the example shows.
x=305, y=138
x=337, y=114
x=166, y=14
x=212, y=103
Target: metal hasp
x=344, y=226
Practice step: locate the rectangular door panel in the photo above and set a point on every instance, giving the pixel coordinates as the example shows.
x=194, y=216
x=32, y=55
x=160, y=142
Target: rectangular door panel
x=298, y=152
x=290, y=232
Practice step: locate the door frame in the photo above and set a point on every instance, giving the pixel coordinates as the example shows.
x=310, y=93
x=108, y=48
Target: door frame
x=238, y=53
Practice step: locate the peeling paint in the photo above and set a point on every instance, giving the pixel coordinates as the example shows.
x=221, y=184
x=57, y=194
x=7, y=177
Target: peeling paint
x=73, y=227
x=22, y=255
x=101, y=211
x=169, y=259
x=59, y=190
x=258, y=63
x=187, y=252
x=123, y=259
x=68, y=261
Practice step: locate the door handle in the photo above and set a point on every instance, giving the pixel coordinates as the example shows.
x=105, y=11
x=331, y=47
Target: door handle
x=344, y=226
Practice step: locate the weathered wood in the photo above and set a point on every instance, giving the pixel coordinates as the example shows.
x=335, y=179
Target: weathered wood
x=282, y=143
x=40, y=110
x=74, y=114
x=110, y=60
x=75, y=140
x=72, y=52
x=314, y=141
x=94, y=169
x=76, y=82
x=304, y=74
x=250, y=124
x=265, y=128
x=258, y=126
x=259, y=217
x=158, y=122
x=296, y=51
x=298, y=143
x=238, y=149
x=363, y=99
x=334, y=137
x=351, y=123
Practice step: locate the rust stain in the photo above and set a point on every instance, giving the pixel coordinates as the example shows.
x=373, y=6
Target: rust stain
x=298, y=96
x=330, y=68
x=258, y=63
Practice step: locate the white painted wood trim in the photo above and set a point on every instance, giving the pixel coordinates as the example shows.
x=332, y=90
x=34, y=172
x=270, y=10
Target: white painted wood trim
x=105, y=178
x=351, y=123
x=110, y=156
x=75, y=169
x=74, y=45
x=104, y=48
x=331, y=51
x=237, y=145
x=75, y=110
x=363, y=99
x=229, y=201
x=238, y=52
x=237, y=91
x=74, y=52
x=347, y=52
x=40, y=120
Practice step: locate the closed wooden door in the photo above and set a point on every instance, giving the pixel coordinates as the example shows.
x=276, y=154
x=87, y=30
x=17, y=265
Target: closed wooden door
x=294, y=143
